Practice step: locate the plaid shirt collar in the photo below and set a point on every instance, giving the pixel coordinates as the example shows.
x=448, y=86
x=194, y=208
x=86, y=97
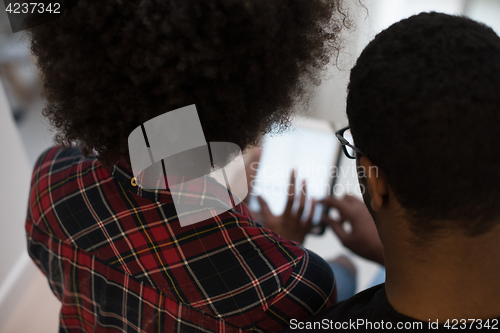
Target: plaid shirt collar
x=122, y=173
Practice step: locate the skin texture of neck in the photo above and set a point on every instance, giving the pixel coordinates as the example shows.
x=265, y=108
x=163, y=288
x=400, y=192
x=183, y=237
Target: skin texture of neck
x=448, y=276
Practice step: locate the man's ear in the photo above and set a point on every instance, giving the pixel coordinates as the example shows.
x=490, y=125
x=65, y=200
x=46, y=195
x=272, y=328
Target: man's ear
x=376, y=182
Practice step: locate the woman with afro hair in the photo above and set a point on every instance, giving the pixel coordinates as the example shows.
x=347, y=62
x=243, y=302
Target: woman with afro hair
x=114, y=253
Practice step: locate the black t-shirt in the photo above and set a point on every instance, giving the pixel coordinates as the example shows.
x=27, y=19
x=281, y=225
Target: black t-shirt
x=370, y=310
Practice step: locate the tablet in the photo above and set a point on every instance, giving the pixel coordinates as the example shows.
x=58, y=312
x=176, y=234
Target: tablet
x=311, y=148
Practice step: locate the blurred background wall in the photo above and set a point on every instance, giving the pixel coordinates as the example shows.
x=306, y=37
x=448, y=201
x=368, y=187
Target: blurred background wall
x=26, y=303
x=375, y=17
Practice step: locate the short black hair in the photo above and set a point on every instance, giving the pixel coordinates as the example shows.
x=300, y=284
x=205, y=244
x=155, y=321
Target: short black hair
x=108, y=66
x=424, y=105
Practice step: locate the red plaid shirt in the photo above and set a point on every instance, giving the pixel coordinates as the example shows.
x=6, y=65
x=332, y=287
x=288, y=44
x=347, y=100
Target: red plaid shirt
x=118, y=260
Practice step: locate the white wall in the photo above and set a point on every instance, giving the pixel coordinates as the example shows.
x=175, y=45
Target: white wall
x=486, y=11
x=372, y=16
x=15, y=175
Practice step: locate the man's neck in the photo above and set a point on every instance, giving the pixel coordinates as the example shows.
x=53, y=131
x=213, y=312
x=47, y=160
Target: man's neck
x=451, y=277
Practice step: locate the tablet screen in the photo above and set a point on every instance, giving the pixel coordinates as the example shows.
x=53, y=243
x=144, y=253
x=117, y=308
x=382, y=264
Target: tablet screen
x=310, y=147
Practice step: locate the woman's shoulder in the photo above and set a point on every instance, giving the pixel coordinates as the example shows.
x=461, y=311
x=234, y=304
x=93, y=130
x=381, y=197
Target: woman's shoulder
x=59, y=167
x=58, y=174
x=58, y=158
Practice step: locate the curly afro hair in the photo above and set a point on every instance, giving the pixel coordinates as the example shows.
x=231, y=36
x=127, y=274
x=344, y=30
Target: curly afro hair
x=108, y=66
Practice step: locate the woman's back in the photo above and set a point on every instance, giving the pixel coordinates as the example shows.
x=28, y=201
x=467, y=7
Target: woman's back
x=114, y=253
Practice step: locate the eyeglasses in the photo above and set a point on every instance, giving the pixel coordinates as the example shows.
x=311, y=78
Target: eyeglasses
x=345, y=138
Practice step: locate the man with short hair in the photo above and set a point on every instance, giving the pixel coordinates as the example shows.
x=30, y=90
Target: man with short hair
x=424, y=109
